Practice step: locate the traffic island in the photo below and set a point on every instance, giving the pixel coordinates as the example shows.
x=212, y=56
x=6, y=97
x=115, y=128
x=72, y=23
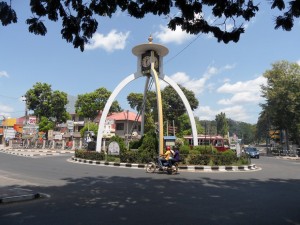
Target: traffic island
x=189, y=168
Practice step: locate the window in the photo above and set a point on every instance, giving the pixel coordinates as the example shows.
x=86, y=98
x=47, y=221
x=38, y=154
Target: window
x=120, y=126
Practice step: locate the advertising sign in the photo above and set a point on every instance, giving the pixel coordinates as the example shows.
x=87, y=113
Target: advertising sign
x=50, y=134
x=70, y=124
x=30, y=131
x=32, y=120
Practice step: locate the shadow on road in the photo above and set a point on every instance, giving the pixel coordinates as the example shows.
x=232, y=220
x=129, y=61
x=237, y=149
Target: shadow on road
x=124, y=200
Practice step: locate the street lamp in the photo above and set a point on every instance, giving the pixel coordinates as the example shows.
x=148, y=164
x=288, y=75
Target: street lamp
x=26, y=109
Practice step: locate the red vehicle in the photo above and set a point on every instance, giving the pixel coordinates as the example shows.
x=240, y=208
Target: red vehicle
x=220, y=143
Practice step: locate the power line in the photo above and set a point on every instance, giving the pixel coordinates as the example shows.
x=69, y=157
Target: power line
x=4, y=96
x=183, y=49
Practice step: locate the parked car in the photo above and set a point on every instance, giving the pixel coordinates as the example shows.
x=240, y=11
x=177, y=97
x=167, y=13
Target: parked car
x=252, y=152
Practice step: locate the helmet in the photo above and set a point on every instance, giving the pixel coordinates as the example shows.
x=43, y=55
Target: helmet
x=168, y=148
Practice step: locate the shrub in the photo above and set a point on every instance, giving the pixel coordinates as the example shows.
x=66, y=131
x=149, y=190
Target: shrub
x=129, y=156
x=199, y=159
x=91, y=155
x=206, y=149
x=135, y=144
x=184, y=149
x=224, y=158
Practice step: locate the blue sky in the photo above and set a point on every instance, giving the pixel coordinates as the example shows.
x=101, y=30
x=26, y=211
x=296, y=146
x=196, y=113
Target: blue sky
x=224, y=77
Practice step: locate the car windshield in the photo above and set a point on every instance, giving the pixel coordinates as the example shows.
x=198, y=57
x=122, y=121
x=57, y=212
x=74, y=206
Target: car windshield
x=251, y=149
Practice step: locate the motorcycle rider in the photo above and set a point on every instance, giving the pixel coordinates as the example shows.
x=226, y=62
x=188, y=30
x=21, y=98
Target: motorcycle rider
x=164, y=158
x=176, y=157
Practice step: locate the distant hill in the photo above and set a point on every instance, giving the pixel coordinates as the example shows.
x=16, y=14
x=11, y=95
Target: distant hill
x=242, y=130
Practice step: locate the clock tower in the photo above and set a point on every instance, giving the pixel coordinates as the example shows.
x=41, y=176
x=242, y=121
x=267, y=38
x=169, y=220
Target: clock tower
x=150, y=57
x=150, y=65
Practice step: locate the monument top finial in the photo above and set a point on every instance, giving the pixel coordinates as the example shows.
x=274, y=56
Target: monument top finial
x=150, y=39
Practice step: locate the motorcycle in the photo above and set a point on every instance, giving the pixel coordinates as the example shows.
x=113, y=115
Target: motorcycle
x=154, y=166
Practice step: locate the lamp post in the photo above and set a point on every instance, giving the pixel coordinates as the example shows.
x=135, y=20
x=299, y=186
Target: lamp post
x=26, y=109
x=3, y=130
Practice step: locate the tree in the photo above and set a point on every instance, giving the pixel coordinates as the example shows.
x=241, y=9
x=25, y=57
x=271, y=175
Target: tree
x=89, y=104
x=173, y=107
x=282, y=98
x=242, y=130
x=47, y=103
x=263, y=127
x=79, y=22
x=89, y=126
x=45, y=124
x=184, y=126
x=222, y=124
x=210, y=127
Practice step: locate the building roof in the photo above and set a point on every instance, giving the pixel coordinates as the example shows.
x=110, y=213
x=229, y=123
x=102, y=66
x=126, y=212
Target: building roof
x=119, y=116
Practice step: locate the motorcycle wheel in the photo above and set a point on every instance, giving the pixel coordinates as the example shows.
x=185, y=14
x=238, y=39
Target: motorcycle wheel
x=175, y=168
x=150, y=167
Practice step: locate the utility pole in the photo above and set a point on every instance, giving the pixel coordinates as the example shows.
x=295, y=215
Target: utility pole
x=26, y=109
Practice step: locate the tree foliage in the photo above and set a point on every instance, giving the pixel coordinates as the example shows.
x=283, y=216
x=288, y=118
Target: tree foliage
x=242, y=130
x=89, y=126
x=89, y=104
x=263, y=127
x=282, y=95
x=173, y=107
x=79, y=21
x=222, y=124
x=45, y=124
x=47, y=103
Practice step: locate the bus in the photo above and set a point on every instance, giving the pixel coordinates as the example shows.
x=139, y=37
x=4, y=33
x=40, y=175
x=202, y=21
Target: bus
x=220, y=143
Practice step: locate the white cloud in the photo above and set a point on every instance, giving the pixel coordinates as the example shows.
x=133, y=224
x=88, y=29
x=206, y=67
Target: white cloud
x=251, y=85
x=298, y=62
x=5, y=110
x=243, y=92
x=241, y=98
x=3, y=74
x=198, y=85
x=112, y=41
x=166, y=35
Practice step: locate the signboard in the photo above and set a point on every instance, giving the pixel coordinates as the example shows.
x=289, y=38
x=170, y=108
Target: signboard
x=50, y=134
x=32, y=120
x=30, y=131
x=70, y=124
x=58, y=137
x=9, y=133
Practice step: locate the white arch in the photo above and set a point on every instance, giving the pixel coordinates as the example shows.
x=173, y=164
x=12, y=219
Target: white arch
x=126, y=81
x=108, y=104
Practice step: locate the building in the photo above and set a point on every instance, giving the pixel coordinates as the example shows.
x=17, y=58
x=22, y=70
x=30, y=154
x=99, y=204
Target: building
x=125, y=124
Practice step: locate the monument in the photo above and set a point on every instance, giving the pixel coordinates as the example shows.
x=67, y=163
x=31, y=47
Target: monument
x=150, y=65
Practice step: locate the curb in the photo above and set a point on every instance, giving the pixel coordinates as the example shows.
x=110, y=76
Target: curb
x=251, y=167
x=34, y=153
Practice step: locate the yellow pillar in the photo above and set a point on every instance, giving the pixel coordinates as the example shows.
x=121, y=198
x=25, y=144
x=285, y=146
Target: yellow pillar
x=159, y=106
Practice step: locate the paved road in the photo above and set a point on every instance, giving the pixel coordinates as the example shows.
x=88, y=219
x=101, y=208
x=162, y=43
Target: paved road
x=86, y=194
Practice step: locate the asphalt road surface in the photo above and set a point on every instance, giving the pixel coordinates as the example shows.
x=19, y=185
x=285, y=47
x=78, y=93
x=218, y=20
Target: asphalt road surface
x=89, y=194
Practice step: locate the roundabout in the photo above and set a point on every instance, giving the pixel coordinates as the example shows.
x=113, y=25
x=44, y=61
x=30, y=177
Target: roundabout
x=181, y=168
